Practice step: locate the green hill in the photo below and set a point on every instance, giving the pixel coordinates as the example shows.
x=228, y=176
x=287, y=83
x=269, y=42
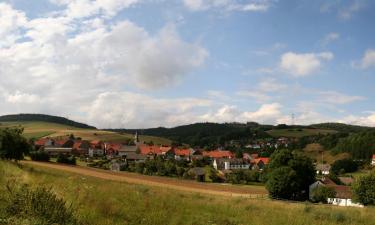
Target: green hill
x=43, y=118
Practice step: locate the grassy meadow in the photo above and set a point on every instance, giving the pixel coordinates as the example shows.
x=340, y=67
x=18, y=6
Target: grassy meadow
x=102, y=202
x=314, y=151
x=36, y=129
x=297, y=133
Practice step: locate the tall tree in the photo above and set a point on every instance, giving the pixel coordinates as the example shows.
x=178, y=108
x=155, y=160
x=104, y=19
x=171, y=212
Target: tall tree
x=289, y=175
x=12, y=144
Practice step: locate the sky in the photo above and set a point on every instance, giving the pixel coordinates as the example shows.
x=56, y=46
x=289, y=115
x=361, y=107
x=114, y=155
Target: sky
x=151, y=63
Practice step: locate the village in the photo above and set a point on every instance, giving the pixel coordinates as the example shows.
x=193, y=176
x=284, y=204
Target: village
x=189, y=163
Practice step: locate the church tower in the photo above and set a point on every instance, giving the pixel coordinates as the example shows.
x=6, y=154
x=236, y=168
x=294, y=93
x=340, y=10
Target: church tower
x=136, y=138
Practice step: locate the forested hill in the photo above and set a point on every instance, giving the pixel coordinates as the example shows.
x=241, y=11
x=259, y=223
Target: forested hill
x=43, y=118
x=202, y=134
x=341, y=127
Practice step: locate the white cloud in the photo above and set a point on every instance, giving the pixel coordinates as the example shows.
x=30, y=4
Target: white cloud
x=19, y=97
x=11, y=22
x=229, y=5
x=126, y=109
x=267, y=113
x=331, y=37
x=368, y=120
x=300, y=65
x=76, y=9
x=347, y=12
x=368, y=59
x=333, y=97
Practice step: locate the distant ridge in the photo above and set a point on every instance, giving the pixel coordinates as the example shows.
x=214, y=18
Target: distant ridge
x=43, y=118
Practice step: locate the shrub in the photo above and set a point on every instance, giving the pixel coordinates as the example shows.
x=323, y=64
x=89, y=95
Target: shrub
x=39, y=156
x=364, y=189
x=71, y=160
x=344, y=166
x=321, y=194
x=39, y=204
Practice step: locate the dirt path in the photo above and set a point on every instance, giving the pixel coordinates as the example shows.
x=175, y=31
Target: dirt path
x=172, y=183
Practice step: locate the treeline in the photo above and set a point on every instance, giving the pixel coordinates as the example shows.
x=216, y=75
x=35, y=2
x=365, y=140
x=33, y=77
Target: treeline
x=359, y=145
x=341, y=127
x=43, y=118
x=207, y=135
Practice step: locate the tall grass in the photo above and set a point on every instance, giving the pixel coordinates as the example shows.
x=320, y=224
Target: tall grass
x=107, y=202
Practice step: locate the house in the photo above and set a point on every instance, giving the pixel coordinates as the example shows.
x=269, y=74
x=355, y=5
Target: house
x=80, y=148
x=230, y=164
x=343, y=195
x=63, y=143
x=112, y=149
x=217, y=154
x=55, y=151
x=96, y=148
x=373, y=160
x=134, y=157
x=323, y=169
x=126, y=149
x=198, y=173
x=260, y=163
x=183, y=154
x=153, y=150
x=43, y=142
x=249, y=157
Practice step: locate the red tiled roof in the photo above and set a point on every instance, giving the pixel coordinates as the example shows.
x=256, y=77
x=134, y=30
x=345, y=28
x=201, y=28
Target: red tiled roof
x=218, y=154
x=77, y=144
x=182, y=152
x=114, y=146
x=373, y=156
x=265, y=160
x=41, y=142
x=60, y=142
x=147, y=149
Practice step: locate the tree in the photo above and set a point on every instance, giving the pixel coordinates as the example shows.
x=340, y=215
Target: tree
x=289, y=175
x=344, y=166
x=321, y=194
x=12, y=144
x=282, y=183
x=364, y=189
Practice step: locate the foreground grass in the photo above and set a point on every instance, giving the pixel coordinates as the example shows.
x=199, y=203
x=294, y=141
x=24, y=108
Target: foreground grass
x=104, y=202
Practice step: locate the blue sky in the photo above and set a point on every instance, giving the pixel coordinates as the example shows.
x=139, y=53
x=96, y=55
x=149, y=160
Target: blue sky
x=147, y=63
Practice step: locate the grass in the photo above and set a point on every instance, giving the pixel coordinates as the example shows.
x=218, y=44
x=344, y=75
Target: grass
x=36, y=129
x=297, y=133
x=314, y=151
x=103, y=202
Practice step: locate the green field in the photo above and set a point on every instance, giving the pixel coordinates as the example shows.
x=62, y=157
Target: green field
x=35, y=129
x=297, y=133
x=102, y=202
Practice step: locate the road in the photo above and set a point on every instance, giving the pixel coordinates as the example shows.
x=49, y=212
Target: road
x=164, y=182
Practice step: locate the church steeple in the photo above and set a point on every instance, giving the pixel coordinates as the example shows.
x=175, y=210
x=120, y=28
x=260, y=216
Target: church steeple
x=136, y=138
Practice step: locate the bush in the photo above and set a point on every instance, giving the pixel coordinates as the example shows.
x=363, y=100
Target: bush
x=39, y=156
x=38, y=204
x=364, y=189
x=71, y=160
x=321, y=194
x=344, y=166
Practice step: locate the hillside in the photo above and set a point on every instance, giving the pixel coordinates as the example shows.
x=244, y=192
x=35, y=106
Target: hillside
x=43, y=118
x=341, y=127
x=97, y=201
x=38, y=129
x=299, y=132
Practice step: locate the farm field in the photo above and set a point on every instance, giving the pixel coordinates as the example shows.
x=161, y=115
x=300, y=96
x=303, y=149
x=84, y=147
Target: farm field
x=314, y=151
x=297, y=133
x=36, y=129
x=101, y=201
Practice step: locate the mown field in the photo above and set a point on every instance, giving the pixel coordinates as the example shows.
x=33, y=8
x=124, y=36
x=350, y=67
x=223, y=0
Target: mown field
x=97, y=201
x=297, y=133
x=315, y=151
x=35, y=129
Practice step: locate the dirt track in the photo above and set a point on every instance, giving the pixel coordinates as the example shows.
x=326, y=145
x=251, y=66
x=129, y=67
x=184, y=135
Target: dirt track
x=172, y=183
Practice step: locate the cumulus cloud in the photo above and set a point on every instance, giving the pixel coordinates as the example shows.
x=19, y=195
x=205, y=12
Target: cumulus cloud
x=368, y=60
x=11, y=22
x=300, y=65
